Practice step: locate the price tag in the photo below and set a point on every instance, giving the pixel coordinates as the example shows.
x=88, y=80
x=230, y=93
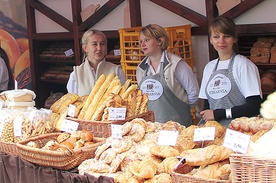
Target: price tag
x=71, y=110
x=69, y=126
x=116, y=131
x=117, y=52
x=17, y=126
x=69, y=53
x=206, y=133
x=167, y=137
x=236, y=141
x=32, y=115
x=116, y=113
x=1, y=104
x=2, y=122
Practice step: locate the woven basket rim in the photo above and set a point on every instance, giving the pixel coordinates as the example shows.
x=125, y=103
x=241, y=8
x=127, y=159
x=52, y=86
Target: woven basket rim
x=196, y=179
x=148, y=113
x=57, y=159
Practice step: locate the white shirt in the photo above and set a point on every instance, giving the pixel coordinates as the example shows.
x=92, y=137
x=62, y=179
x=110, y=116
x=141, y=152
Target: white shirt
x=4, y=75
x=245, y=72
x=72, y=86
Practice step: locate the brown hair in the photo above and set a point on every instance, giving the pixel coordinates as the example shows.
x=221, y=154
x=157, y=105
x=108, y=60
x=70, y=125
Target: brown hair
x=5, y=57
x=226, y=26
x=156, y=32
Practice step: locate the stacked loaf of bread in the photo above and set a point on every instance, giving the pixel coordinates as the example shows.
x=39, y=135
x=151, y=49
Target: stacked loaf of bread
x=260, y=52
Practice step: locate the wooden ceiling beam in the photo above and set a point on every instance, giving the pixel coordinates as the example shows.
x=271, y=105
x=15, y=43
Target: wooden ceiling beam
x=135, y=13
x=56, y=17
x=241, y=8
x=182, y=11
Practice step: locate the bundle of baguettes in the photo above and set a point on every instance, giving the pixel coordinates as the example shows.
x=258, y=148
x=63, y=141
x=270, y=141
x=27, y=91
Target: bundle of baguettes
x=107, y=92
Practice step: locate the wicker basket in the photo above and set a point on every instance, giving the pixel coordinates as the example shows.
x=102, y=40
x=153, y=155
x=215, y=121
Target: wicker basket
x=65, y=160
x=247, y=168
x=8, y=148
x=180, y=175
x=183, y=178
x=102, y=129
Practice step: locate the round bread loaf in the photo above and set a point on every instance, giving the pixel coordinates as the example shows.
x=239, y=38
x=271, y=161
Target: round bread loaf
x=268, y=81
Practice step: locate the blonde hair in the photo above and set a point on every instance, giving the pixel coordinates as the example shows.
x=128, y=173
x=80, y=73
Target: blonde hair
x=156, y=32
x=89, y=33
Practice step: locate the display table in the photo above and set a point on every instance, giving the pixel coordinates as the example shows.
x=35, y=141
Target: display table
x=13, y=169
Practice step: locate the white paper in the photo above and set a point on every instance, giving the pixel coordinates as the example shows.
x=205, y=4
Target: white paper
x=69, y=126
x=167, y=137
x=116, y=113
x=116, y=131
x=205, y=133
x=236, y=141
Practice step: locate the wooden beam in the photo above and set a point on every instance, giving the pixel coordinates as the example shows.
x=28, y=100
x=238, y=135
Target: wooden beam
x=135, y=13
x=76, y=9
x=99, y=14
x=182, y=11
x=241, y=8
x=256, y=29
x=56, y=17
x=211, y=13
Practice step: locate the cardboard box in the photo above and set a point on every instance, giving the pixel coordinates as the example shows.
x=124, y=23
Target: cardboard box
x=225, y=5
x=88, y=11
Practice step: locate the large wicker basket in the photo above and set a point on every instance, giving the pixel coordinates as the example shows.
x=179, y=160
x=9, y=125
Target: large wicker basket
x=183, y=178
x=64, y=160
x=180, y=175
x=247, y=168
x=102, y=129
x=8, y=148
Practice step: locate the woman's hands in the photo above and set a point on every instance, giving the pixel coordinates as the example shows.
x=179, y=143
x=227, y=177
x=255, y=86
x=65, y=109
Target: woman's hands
x=207, y=115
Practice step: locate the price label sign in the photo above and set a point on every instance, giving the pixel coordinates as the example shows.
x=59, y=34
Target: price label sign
x=69, y=126
x=117, y=52
x=116, y=131
x=71, y=110
x=2, y=122
x=167, y=137
x=116, y=113
x=206, y=133
x=69, y=53
x=236, y=141
x=17, y=127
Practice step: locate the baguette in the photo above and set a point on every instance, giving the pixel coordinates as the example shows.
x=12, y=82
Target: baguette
x=138, y=102
x=65, y=100
x=206, y=155
x=114, y=87
x=93, y=105
x=144, y=104
x=97, y=116
x=79, y=106
x=61, y=117
x=129, y=90
x=90, y=97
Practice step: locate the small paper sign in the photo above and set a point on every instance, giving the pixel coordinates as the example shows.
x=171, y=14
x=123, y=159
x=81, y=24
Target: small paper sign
x=206, y=133
x=117, y=52
x=71, y=110
x=116, y=113
x=69, y=126
x=69, y=52
x=167, y=137
x=2, y=121
x=116, y=131
x=236, y=141
x=17, y=126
